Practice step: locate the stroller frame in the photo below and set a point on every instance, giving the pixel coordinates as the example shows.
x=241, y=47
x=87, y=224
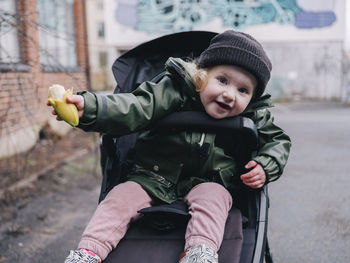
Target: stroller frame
x=146, y=62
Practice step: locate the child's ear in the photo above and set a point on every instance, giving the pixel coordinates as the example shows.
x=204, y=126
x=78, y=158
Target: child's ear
x=254, y=93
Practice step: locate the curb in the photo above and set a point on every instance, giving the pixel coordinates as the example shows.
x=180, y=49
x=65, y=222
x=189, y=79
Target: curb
x=33, y=177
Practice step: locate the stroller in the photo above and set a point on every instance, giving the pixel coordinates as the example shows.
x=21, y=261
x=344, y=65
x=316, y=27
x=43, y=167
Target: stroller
x=159, y=234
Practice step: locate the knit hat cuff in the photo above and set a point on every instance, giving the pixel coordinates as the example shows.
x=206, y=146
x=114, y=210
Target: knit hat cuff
x=230, y=55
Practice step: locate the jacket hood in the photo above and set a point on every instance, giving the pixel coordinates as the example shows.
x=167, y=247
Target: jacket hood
x=179, y=69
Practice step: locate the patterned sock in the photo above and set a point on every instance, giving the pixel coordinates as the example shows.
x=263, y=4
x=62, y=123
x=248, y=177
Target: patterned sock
x=199, y=254
x=82, y=256
x=88, y=252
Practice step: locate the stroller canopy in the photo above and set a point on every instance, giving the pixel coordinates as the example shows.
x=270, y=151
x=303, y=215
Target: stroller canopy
x=147, y=60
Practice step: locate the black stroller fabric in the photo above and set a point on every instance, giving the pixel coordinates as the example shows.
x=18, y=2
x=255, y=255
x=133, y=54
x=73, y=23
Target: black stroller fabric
x=143, y=244
x=148, y=59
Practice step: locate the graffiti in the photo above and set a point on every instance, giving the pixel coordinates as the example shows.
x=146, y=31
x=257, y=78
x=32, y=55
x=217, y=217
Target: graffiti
x=326, y=63
x=164, y=16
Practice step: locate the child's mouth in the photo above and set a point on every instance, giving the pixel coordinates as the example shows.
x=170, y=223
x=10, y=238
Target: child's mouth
x=223, y=105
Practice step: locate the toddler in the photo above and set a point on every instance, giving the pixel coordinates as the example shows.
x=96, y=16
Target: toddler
x=228, y=79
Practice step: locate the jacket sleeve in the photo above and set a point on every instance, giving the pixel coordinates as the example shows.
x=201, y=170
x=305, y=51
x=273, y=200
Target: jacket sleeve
x=124, y=113
x=274, y=145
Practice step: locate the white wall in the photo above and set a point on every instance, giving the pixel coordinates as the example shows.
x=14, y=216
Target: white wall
x=96, y=44
x=306, y=70
x=121, y=35
x=347, y=27
x=307, y=62
x=101, y=76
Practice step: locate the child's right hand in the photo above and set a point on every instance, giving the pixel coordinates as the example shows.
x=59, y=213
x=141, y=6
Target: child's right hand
x=78, y=100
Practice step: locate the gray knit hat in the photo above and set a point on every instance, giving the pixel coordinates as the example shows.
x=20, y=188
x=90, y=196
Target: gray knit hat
x=239, y=49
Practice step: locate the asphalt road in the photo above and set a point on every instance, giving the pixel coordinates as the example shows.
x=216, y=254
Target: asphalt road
x=310, y=205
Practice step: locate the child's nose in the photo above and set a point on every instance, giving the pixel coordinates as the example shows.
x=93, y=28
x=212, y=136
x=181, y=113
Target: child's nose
x=228, y=95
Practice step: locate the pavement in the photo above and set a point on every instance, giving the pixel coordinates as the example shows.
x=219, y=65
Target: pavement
x=310, y=204
x=44, y=226
x=309, y=218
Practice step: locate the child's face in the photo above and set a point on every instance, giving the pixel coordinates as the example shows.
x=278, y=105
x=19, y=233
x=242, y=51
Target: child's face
x=228, y=91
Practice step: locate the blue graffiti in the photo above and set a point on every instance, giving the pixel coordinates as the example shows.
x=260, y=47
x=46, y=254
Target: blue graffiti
x=164, y=16
x=314, y=19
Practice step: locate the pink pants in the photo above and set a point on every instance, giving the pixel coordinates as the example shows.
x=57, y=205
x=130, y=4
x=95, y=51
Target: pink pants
x=209, y=204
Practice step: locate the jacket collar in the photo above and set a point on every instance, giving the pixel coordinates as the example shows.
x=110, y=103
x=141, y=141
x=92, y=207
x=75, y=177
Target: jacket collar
x=263, y=102
x=177, y=67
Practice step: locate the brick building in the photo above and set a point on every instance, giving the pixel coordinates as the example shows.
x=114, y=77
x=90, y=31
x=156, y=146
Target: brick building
x=41, y=43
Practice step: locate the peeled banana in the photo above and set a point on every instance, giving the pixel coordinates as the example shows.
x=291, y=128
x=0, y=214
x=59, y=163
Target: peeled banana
x=66, y=111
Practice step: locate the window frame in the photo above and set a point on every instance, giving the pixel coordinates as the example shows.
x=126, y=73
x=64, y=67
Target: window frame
x=101, y=30
x=46, y=62
x=19, y=64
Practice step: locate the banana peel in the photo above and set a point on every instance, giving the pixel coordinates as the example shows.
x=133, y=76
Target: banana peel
x=66, y=111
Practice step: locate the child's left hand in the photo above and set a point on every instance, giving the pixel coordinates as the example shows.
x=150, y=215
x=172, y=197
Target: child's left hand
x=256, y=177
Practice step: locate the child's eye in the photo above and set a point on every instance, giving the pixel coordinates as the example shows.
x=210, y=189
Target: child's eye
x=222, y=80
x=243, y=90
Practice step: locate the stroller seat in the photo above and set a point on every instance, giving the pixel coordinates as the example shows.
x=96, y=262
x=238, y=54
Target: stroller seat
x=157, y=246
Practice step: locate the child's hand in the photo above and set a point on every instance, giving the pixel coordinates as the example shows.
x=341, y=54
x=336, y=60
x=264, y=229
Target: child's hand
x=256, y=177
x=78, y=100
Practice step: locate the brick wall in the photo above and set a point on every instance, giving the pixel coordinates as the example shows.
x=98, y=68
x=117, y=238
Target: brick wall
x=23, y=88
x=99, y=81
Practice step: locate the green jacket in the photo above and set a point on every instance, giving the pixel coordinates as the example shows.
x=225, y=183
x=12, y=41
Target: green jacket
x=168, y=164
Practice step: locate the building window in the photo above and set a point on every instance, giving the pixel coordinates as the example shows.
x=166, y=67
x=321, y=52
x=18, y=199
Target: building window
x=102, y=57
x=9, y=39
x=101, y=29
x=99, y=5
x=57, y=34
